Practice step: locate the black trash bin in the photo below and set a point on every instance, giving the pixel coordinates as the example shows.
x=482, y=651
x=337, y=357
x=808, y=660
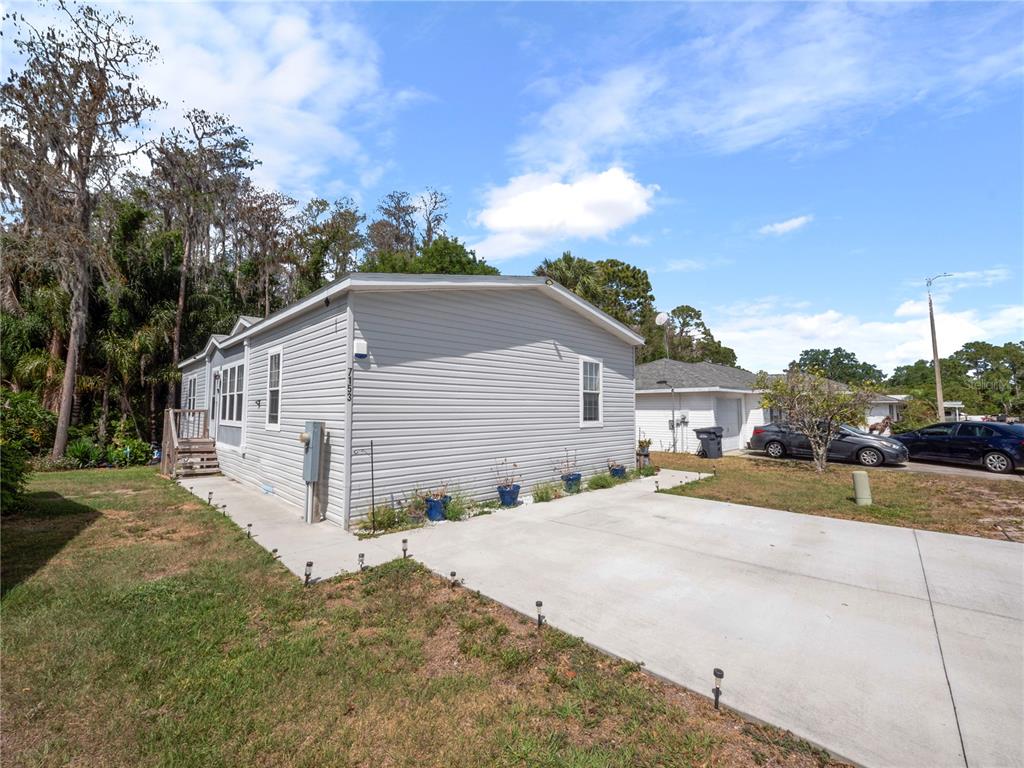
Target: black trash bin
x=710, y=441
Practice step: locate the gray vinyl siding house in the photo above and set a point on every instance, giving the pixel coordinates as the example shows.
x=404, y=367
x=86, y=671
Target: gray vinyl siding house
x=444, y=374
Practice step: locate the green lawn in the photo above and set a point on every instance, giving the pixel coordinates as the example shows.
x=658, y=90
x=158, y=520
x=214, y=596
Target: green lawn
x=140, y=628
x=953, y=504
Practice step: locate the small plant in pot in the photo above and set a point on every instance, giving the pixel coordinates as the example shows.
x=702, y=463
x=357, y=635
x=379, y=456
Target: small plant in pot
x=567, y=471
x=508, y=488
x=615, y=469
x=436, y=500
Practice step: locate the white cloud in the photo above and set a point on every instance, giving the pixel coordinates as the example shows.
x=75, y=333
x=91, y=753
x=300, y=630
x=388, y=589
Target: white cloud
x=768, y=74
x=303, y=83
x=767, y=334
x=754, y=75
x=537, y=209
x=789, y=225
x=911, y=308
x=638, y=240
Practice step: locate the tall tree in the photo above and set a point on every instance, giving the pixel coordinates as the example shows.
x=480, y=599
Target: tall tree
x=394, y=231
x=838, y=365
x=328, y=241
x=193, y=168
x=70, y=112
x=581, y=276
x=626, y=292
x=433, y=207
x=266, y=220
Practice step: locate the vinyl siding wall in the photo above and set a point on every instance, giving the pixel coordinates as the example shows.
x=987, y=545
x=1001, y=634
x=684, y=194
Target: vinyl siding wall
x=197, y=371
x=457, y=380
x=654, y=411
x=313, y=359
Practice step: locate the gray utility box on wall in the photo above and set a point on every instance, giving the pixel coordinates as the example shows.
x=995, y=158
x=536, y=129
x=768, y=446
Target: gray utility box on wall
x=314, y=451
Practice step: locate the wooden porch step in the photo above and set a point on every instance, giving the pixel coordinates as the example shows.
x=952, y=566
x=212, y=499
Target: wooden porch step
x=190, y=472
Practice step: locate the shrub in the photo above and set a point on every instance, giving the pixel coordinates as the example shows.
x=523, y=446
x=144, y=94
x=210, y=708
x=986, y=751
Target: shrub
x=546, y=492
x=26, y=428
x=14, y=469
x=600, y=481
x=648, y=470
x=128, y=452
x=83, y=452
x=385, y=517
x=46, y=463
x=458, y=507
x=26, y=422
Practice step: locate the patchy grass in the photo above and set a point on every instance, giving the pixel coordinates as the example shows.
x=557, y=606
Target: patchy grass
x=949, y=503
x=143, y=629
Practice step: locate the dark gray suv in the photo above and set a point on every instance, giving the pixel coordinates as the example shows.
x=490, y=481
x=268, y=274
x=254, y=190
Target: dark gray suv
x=851, y=444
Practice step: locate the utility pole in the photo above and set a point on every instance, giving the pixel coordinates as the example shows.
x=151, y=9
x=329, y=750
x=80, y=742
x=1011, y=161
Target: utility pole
x=940, y=406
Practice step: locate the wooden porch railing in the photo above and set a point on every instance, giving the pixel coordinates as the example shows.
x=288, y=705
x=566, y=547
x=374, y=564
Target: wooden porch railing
x=180, y=425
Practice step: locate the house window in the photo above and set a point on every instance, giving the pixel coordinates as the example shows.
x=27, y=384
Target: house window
x=232, y=394
x=190, y=394
x=274, y=389
x=590, y=392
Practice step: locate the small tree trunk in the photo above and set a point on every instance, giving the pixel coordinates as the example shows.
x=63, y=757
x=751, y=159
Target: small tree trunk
x=51, y=397
x=152, y=412
x=79, y=307
x=179, y=315
x=101, y=429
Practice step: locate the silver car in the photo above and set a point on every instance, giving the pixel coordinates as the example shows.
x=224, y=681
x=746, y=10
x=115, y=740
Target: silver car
x=851, y=444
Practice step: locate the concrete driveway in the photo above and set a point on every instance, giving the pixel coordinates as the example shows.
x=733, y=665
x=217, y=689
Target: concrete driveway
x=888, y=646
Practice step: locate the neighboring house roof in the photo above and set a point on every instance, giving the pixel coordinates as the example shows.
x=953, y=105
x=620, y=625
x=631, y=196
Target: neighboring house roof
x=368, y=281
x=888, y=399
x=692, y=376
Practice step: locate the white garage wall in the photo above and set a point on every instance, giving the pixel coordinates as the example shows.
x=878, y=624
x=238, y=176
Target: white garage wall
x=654, y=411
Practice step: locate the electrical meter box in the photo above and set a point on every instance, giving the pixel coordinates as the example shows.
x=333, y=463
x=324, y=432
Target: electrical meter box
x=314, y=450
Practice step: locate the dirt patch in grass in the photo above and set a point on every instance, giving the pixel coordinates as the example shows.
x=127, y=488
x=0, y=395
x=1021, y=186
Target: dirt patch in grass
x=157, y=635
x=947, y=503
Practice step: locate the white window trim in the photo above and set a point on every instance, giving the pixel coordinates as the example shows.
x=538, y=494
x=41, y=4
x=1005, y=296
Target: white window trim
x=190, y=391
x=237, y=392
x=600, y=392
x=280, y=389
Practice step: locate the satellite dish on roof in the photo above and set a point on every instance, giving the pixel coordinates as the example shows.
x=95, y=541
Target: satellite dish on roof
x=661, y=319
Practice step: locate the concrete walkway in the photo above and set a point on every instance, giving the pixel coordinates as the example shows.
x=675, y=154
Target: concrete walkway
x=888, y=646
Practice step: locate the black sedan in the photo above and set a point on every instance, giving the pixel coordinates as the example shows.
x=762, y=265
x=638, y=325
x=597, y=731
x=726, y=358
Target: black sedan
x=778, y=440
x=995, y=446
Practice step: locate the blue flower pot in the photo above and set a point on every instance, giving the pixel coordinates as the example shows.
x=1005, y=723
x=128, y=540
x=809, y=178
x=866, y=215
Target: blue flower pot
x=572, y=482
x=435, y=507
x=509, y=495
x=617, y=471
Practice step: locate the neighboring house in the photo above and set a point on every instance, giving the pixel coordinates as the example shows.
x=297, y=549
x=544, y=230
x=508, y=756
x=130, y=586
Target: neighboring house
x=444, y=375
x=953, y=410
x=707, y=394
x=699, y=395
x=886, y=406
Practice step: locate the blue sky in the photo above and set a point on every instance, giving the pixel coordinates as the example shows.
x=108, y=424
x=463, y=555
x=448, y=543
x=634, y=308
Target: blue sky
x=794, y=171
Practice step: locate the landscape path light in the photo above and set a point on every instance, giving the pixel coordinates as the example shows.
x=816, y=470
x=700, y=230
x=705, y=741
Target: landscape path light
x=540, y=615
x=717, y=690
x=309, y=571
